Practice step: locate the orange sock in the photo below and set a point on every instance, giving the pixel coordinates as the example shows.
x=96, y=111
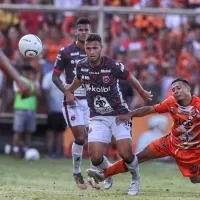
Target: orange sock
x=116, y=168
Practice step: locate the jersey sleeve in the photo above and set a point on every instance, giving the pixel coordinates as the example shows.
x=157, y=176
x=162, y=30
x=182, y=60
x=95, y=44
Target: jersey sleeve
x=120, y=72
x=61, y=61
x=162, y=107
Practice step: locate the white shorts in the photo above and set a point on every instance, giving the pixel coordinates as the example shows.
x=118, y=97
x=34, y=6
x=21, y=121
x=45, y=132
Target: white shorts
x=78, y=114
x=101, y=129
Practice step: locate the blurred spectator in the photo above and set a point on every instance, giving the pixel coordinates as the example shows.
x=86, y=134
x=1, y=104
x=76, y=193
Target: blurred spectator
x=52, y=45
x=11, y=48
x=69, y=17
x=56, y=123
x=32, y=21
x=157, y=126
x=8, y=18
x=25, y=113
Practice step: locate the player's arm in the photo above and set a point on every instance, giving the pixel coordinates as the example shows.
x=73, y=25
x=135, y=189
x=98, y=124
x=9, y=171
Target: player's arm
x=59, y=66
x=140, y=112
x=146, y=95
x=121, y=73
x=75, y=84
x=57, y=81
x=146, y=110
x=70, y=90
x=8, y=69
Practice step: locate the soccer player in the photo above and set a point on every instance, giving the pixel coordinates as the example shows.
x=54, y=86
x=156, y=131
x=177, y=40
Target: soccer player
x=100, y=76
x=8, y=69
x=183, y=143
x=77, y=116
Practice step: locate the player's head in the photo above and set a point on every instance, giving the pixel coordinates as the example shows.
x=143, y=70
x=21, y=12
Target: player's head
x=181, y=90
x=93, y=47
x=83, y=27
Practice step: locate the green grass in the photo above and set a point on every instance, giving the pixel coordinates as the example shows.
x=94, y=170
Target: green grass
x=52, y=180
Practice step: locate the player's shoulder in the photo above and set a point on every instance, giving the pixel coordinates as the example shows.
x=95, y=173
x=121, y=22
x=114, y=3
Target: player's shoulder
x=170, y=100
x=111, y=62
x=195, y=100
x=67, y=49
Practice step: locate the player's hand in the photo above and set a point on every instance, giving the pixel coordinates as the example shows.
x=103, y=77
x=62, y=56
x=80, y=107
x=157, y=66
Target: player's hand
x=123, y=118
x=146, y=95
x=69, y=97
x=24, y=87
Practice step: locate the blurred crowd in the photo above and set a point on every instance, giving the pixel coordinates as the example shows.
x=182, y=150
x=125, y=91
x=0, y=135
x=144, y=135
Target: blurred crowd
x=155, y=48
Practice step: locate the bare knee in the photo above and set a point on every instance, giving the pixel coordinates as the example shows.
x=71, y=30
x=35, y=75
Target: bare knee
x=79, y=134
x=126, y=156
x=96, y=158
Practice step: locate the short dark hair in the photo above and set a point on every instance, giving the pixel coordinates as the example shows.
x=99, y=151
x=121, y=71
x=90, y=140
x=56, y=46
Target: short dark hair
x=83, y=21
x=93, y=37
x=180, y=79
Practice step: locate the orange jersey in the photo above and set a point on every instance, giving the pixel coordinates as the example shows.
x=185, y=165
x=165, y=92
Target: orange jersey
x=185, y=132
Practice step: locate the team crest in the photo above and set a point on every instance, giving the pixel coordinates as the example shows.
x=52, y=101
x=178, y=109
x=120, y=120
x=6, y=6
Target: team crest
x=73, y=117
x=106, y=79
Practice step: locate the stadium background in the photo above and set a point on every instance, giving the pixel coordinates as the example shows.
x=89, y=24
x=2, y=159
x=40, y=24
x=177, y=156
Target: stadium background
x=152, y=41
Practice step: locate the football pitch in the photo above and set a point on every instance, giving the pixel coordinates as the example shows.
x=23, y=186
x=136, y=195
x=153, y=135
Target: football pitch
x=52, y=180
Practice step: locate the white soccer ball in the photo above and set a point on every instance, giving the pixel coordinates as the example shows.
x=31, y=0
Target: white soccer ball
x=32, y=154
x=30, y=45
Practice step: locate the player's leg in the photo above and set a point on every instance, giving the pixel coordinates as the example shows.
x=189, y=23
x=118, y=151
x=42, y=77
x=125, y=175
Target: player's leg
x=74, y=117
x=60, y=128
x=157, y=149
x=50, y=134
x=86, y=110
x=18, y=128
x=99, y=136
x=195, y=179
x=188, y=161
x=122, y=134
x=30, y=128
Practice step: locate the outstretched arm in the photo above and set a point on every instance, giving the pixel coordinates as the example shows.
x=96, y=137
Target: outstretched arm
x=8, y=69
x=146, y=95
x=140, y=112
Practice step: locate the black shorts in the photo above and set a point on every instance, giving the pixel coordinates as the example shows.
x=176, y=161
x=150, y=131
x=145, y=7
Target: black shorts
x=56, y=122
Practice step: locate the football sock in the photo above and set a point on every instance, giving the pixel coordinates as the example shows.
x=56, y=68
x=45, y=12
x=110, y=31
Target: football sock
x=116, y=168
x=77, y=152
x=133, y=167
x=104, y=164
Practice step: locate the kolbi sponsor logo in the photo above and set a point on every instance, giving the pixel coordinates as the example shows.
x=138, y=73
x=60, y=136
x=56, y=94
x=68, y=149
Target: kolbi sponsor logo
x=91, y=88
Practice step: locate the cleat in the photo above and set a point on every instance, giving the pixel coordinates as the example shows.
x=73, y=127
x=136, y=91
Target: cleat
x=98, y=176
x=94, y=183
x=134, y=186
x=80, y=182
x=107, y=184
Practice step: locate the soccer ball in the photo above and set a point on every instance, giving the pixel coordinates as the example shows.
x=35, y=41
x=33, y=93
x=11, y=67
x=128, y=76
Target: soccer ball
x=32, y=154
x=30, y=45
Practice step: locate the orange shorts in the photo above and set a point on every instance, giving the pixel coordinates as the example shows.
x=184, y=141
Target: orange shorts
x=188, y=160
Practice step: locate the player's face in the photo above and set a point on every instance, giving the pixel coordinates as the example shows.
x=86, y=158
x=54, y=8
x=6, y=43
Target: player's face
x=93, y=50
x=82, y=32
x=180, y=91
